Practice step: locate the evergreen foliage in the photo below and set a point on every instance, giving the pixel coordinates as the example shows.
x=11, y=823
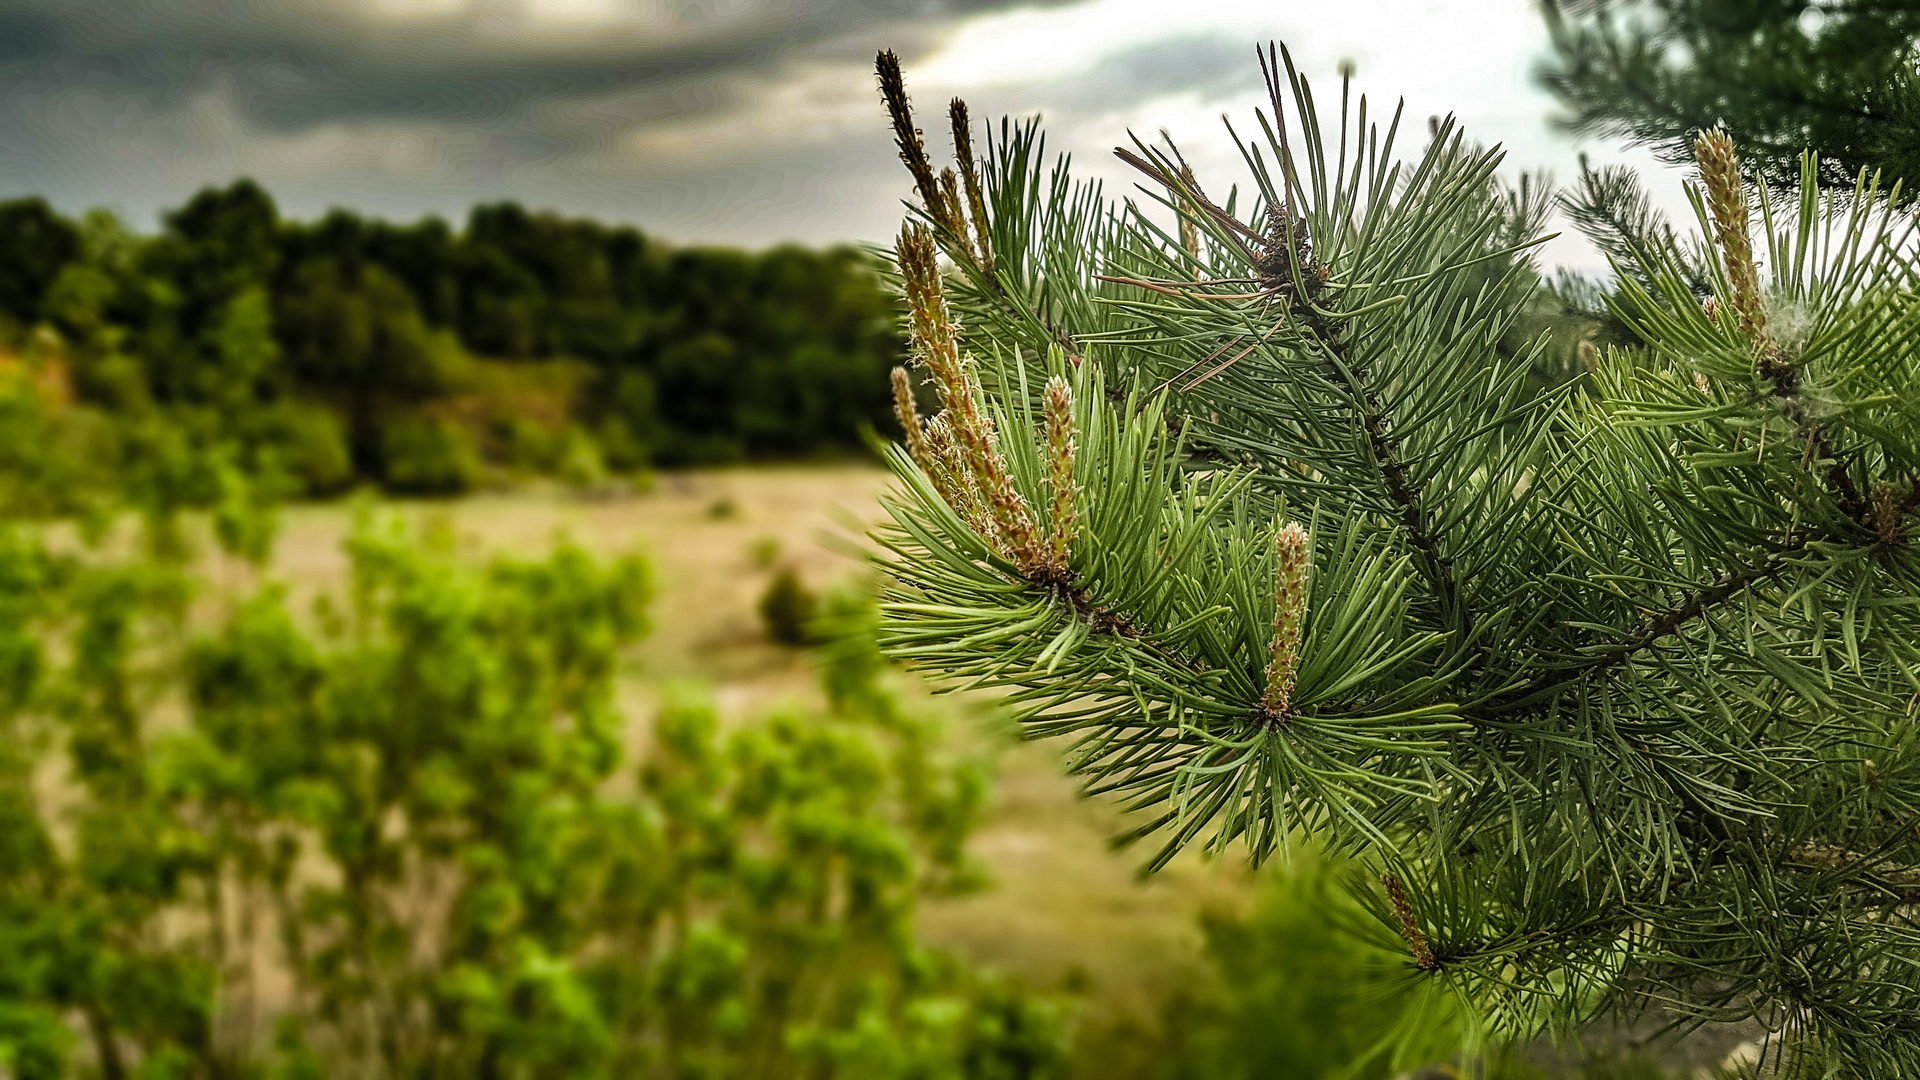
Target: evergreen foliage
x=1610, y=684
x=1779, y=75
x=1296, y=992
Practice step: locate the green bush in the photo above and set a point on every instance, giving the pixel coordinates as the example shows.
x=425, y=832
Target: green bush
x=788, y=608
x=416, y=819
x=580, y=462
x=1304, y=986
x=429, y=455
x=1297, y=992
x=307, y=443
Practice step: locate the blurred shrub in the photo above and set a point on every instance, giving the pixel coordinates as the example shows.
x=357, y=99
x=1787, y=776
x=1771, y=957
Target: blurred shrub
x=580, y=462
x=429, y=455
x=788, y=608
x=763, y=551
x=404, y=842
x=1298, y=994
x=306, y=443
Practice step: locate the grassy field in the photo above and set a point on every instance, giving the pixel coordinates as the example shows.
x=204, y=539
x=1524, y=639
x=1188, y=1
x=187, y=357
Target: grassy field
x=1063, y=912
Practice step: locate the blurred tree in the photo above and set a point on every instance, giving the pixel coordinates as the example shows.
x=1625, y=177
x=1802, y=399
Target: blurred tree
x=208, y=334
x=354, y=337
x=38, y=243
x=425, y=256
x=304, y=343
x=1781, y=76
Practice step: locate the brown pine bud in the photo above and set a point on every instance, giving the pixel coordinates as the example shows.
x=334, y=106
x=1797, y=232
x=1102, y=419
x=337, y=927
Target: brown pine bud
x=954, y=480
x=952, y=213
x=1589, y=355
x=1727, y=207
x=970, y=180
x=1292, y=558
x=909, y=414
x=913, y=152
x=1889, y=514
x=936, y=340
x=1409, y=925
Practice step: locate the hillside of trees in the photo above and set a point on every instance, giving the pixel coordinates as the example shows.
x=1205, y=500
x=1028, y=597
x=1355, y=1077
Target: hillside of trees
x=428, y=359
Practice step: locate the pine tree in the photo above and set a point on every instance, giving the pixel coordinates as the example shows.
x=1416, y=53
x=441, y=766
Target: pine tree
x=1613, y=685
x=1779, y=75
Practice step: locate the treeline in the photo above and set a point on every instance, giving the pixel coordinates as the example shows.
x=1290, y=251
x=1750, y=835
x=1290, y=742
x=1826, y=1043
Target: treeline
x=427, y=359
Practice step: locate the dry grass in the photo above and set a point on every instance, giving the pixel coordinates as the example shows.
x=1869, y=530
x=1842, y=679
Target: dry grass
x=1064, y=911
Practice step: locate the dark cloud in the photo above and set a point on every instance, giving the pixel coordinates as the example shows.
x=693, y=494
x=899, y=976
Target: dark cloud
x=303, y=63
x=725, y=120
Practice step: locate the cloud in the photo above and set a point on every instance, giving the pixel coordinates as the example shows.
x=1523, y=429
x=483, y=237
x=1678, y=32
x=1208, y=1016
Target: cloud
x=730, y=121
x=134, y=102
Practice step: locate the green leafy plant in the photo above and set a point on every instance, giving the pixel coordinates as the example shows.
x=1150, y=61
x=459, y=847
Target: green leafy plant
x=396, y=838
x=1610, y=685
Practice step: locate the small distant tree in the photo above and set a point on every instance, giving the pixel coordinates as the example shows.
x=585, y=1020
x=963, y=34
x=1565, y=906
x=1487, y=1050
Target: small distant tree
x=1779, y=75
x=1612, y=685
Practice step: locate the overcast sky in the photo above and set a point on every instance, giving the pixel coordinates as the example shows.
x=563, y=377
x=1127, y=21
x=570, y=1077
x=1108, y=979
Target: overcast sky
x=702, y=121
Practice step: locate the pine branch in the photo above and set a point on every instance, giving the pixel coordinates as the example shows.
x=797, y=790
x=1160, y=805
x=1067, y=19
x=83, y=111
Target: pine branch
x=1282, y=262
x=1727, y=202
x=1401, y=488
x=1656, y=626
x=950, y=199
x=1652, y=791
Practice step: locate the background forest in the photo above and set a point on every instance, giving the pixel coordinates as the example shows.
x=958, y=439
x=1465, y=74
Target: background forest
x=429, y=360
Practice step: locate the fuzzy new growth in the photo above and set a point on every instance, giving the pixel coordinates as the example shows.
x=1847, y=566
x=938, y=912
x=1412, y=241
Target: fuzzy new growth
x=950, y=202
x=970, y=180
x=1889, y=515
x=909, y=414
x=953, y=479
x=913, y=151
x=1727, y=206
x=1292, y=558
x=1060, y=448
x=937, y=343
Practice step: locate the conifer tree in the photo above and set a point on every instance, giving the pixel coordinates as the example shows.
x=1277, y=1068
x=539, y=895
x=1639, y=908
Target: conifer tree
x=1613, y=686
x=1780, y=75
